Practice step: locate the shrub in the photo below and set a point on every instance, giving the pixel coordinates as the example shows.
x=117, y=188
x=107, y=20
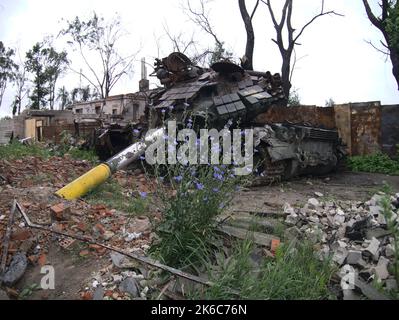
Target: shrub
x=377, y=163
x=186, y=234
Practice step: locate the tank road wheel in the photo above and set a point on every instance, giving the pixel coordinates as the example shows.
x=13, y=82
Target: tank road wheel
x=268, y=172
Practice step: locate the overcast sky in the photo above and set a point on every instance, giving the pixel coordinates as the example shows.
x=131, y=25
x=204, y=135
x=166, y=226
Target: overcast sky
x=335, y=60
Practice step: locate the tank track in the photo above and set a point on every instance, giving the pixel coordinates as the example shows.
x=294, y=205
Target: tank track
x=268, y=172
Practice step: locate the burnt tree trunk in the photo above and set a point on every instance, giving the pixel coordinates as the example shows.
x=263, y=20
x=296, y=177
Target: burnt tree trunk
x=285, y=73
x=286, y=42
x=395, y=65
x=247, y=60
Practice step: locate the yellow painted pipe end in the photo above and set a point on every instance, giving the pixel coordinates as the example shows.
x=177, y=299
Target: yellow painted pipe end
x=85, y=183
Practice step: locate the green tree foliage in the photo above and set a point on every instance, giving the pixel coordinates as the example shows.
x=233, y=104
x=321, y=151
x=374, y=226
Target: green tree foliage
x=392, y=24
x=63, y=97
x=219, y=53
x=7, y=68
x=388, y=23
x=46, y=64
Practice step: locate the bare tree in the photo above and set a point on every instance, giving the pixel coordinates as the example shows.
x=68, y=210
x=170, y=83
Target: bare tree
x=247, y=59
x=100, y=39
x=287, y=46
x=201, y=17
x=387, y=23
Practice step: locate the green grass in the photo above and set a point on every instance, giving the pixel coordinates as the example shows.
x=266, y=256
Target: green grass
x=375, y=163
x=295, y=273
x=112, y=195
x=80, y=154
x=16, y=150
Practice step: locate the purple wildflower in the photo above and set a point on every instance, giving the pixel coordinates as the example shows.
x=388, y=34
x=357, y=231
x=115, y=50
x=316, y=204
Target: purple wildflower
x=199, y=186
x=178, y=178
x=143, y=194
x=218, y=176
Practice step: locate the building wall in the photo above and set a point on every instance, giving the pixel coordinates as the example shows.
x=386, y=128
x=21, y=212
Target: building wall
x=131, y=106
x=14, y=126
x=6, y=129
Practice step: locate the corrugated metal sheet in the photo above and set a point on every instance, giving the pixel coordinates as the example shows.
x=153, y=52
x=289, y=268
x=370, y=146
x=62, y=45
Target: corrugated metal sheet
x=53, y=133
x=343, y=124
x=312, y=115
x=365, y=128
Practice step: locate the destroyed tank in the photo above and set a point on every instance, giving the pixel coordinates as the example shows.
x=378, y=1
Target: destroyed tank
x=222, y=96
x=226, y=95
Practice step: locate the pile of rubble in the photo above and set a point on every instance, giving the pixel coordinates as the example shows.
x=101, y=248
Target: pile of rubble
x=32, y=181
x=355, y=235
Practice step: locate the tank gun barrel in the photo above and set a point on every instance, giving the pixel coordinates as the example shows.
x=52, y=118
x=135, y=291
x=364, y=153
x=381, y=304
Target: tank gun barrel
x=99, y=174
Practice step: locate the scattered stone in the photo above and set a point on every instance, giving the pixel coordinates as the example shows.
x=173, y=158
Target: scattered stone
x=98, y=293
x=340, y=255
x=121, y=261
x=130, y=286
x=375, y=210
x=375, y=200
x=351, y=295
x=381, y=270
x=117, y=278
x=355, y=258
x=391, y=284
x=16, y=270
x=373, y=249
x=132, y=236
x=288, y=209
x=319, y=194
x=3, y=295
x=292, y=233
x=389, y=251
x=339, y=219
x=140, y=224
x=313, y=202
x=108, y=235
x=369, y=291
x=377, y=233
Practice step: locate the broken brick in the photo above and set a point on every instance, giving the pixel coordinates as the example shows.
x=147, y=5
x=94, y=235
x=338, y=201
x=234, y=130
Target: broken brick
x=274, y=245
x=59, y=211
x=87, y=295
x=42, y=260
x=82, y=226
x=84, y=253
x=100, y=228
x=21, y=235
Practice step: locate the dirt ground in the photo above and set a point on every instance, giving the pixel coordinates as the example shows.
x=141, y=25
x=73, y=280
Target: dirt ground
x=74, y=271
x=338, y=186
